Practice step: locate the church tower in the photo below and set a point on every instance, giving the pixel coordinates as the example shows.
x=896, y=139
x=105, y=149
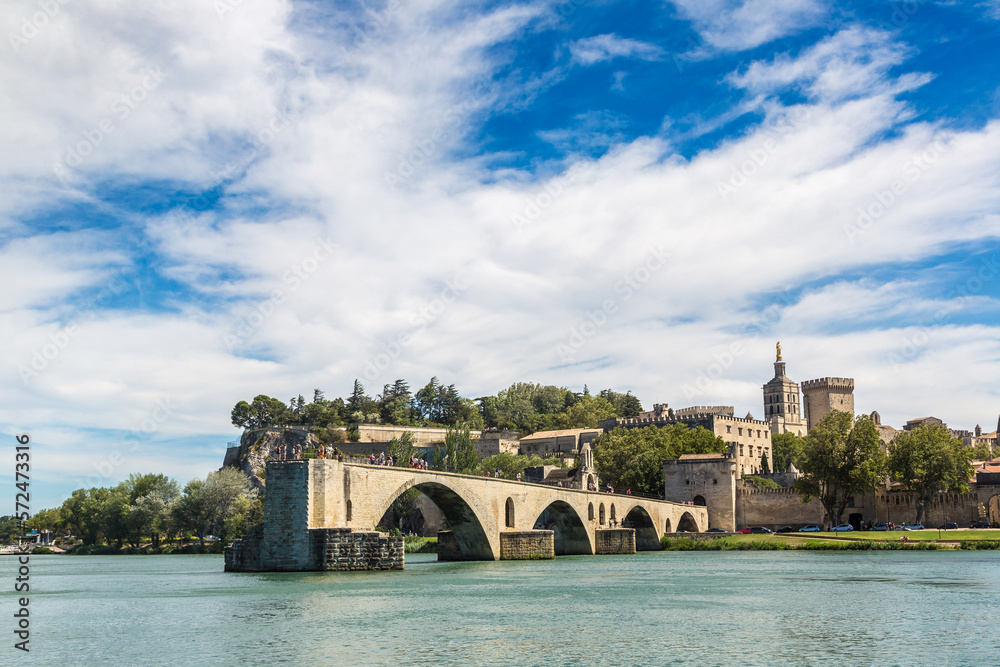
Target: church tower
x=782, y=408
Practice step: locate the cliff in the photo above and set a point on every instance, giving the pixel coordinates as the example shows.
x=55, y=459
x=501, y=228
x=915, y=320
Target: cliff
x=259, y=445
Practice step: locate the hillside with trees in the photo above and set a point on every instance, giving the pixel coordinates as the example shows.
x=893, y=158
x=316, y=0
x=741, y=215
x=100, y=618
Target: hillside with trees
x=524, y=407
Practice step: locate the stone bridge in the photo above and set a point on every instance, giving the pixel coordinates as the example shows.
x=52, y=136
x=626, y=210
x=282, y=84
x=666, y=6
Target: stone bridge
x=319, y=495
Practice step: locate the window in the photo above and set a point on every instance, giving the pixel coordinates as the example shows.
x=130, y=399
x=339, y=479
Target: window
x=729, y=429
x=715, y=481
x=590, y=512
x=741, y=430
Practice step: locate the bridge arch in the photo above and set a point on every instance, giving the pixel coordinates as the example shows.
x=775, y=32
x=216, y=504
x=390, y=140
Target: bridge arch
x=470, y=533
x=687, y=524
x=646, y=538
x=571, y=534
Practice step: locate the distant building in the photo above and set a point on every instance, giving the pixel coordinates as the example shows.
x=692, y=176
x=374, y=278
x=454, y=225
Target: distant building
x=748, y=439
x=782, y=409
x=556, y=443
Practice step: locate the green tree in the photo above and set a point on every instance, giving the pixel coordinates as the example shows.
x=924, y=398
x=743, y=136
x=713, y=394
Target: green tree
x=786, y=449
x=460, y=451
x=633, y=458
x=114, y=516
x=981, y=452
x=81, y=513
x=402, y=449
x=587, y=411
x=840, y=461
x=929, y=460
x=511, y=464
x=262, y=412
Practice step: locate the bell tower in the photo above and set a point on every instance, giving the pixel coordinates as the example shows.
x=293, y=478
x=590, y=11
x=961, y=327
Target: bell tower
x=782, y=407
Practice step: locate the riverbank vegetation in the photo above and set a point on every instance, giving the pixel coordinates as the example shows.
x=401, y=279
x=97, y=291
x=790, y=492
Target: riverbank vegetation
x=152, y=513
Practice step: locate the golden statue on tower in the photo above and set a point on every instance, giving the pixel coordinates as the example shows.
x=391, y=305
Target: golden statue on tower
x=778, y=348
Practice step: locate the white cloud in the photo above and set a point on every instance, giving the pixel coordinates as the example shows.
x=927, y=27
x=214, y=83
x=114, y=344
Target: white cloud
x=737, y=25
x=855, y=61
x=482, y=272
x=603, y=48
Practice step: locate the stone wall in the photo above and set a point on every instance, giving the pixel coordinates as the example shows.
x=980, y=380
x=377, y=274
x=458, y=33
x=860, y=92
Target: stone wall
x=245, y=555
x=774, y=508
x=615, y=540
x=343, y=549
x=714, y=481
x=527, y=545
x=448, y=548
x=286, y=517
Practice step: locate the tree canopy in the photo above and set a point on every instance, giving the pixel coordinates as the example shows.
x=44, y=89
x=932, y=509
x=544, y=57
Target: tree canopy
x=841, y=458
x=929, y=460
x=633, y=458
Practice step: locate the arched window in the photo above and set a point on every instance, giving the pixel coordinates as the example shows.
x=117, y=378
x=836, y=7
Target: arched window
x=612, y=511
x=601, y=513
x=510, y=512
x=590, y=512
x=348, y=510
x=699, y=500
x=666, y=528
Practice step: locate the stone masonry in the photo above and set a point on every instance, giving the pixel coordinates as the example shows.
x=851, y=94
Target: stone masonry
x=527, y=545
x=616, y=541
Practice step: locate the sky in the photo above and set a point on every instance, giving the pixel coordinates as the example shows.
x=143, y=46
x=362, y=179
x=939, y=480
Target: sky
x=206, y=201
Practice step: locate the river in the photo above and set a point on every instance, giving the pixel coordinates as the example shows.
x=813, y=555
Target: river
x=653, y=608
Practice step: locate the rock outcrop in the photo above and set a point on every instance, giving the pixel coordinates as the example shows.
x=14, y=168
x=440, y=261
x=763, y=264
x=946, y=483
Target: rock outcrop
x=259, y=445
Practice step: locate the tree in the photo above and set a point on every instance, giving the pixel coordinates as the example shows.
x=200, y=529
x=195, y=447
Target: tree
x=840, y=461
x=359, y=401
x=786, y=449
x=460, y=452
x=633, y=458
x=929, y=460
x=262, y=412
x=981, y=452
x=402, y=449
x=81, y=513
x=114, y=516
x=587, y=412
x=218, y=504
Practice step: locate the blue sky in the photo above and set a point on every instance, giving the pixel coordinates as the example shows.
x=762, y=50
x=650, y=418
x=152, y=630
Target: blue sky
x=207, y=201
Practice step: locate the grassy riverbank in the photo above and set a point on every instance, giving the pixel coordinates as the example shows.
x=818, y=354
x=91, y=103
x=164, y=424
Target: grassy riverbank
x=824, y=542
x=420, y=545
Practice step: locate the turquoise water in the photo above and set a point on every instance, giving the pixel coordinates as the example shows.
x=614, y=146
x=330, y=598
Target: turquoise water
x=659, y=608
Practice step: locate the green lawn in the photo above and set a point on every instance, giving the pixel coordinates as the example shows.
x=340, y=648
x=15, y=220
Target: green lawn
x=894, y=535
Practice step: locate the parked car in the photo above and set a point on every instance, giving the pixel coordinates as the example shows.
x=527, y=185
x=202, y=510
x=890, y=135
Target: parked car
x=843, y=528
x=951, y=525
x=743, y=531
x=761, y=530
x=880, y=526
x=813, y=528
x=715, y=530
x=980, y=524
x=916, y=526
x=784, y=529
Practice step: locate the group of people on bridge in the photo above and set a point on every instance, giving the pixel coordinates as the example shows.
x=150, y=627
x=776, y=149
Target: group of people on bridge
x=295, y=452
